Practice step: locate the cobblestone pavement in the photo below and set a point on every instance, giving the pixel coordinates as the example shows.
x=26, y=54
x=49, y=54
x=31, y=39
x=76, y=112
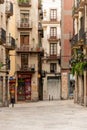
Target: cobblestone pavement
x=44, y=115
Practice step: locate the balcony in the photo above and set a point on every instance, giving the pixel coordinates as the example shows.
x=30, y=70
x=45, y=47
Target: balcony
x=24, y=25
x=75, y=12
x=2, y=36
x=74, y=40
x=23, y=48
x=26, y=68
x=41, y=13
x=39, y=4
x=52, y=57
x=85, y=38
x=53, y=38
x=9, y=8
x=40, y=29
x=29, y=49
x=24, y=3
x=10, y=43
x=1, y=1
x=81, y=4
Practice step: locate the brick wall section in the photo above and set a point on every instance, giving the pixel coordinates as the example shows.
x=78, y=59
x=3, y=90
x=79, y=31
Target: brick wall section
x=68, y=4
x=65, y=85
x=66, y=29
x=68, y=24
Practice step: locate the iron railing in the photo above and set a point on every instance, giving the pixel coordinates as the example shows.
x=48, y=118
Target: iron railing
x=9, y=8
x=2, y=35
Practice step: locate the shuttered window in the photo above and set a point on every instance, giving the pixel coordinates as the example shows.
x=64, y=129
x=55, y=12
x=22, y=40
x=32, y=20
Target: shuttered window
x=24, y=39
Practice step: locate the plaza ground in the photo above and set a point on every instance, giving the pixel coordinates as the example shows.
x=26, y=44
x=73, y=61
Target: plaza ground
x=44, y=115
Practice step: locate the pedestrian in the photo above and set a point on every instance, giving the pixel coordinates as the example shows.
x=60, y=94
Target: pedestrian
x=12, y=100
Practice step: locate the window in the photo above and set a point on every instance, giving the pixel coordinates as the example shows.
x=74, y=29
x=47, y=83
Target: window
x=53, y=32
x=24, y=60
x=53, y=67
x=53, y=14
x=24, y=38
x=53, y=49
x=24, y=16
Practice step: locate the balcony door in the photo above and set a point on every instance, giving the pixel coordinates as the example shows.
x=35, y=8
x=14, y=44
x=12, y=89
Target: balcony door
x=24, y=39
x=24, y=61
x=53, y=32
x=24, y=16
x=53, y=14
x=53, y=49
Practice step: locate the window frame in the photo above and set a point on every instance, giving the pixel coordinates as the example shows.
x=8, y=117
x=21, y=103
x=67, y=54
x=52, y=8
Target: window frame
x=53, y=67
x=53, y=32
x=53, y=49
x=53, y=14
x=24, y=62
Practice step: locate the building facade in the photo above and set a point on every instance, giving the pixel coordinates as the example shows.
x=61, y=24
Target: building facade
x=51, y=43
x=79, y=51
x=29, y=50
x=66, y=30
x=7, y=43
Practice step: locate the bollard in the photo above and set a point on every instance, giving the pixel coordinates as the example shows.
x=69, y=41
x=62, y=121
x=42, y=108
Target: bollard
x=52, y=97
x=49, y=97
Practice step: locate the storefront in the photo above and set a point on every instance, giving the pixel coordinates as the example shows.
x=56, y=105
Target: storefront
x=24, y=87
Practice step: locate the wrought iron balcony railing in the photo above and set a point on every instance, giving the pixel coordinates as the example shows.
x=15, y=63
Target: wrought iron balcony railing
x=40, y=29
x=52, y=57
x=24, y=25
x=74, y=39
x=41, y=13
x=85, y=38
x=9, y=8
x=2, y=36
x=10, y=43
x=29, y=68
x=80, y=4
x=29, y=49
x=74, y=11
x=52, y=38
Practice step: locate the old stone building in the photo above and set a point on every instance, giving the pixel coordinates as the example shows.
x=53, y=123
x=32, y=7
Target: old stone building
x=7, y=43
x=20, y=64
x=79, y=51
x=66, y=31
x=29, y=50
x=51, y=44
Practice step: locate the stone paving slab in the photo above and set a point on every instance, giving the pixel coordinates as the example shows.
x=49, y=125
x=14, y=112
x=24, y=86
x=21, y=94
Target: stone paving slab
x=44, y=115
